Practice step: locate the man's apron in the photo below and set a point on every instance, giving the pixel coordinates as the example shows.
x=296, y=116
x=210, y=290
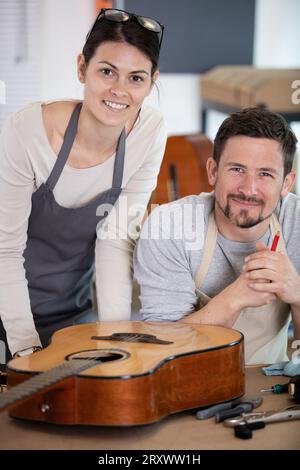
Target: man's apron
x=265, y=328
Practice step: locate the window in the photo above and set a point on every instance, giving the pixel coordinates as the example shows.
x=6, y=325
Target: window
x=20, y=43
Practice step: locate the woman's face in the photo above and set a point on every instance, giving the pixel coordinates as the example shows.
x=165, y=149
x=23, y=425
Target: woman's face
x=117, y=80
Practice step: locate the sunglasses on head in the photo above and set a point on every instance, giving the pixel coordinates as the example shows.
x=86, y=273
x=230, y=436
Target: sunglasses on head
x=121, y=16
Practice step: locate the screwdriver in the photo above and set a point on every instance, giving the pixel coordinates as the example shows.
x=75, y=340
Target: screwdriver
x=277, y=388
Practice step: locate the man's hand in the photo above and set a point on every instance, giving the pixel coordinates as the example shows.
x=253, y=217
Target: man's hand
x=225, y=307
x=272, y=272
x=245, y=296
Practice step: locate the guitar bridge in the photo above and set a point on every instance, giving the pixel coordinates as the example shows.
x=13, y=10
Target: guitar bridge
x=132, y=338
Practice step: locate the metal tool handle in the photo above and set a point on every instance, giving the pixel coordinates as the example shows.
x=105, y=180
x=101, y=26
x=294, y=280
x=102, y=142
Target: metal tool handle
x=287, y=414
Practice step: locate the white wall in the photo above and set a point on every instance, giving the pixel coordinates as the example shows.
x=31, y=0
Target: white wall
x=277, y=43
x=20, y=52
x=65, y=24
x=179, y=100
x=277, y=33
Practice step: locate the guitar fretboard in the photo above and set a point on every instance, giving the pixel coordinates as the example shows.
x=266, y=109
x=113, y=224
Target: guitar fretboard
x=45, y=379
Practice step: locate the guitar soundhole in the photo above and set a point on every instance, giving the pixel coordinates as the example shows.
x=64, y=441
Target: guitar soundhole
x=101, y=355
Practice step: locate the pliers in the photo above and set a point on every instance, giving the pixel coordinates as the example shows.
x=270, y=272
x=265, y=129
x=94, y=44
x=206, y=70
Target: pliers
x=245, y=424
x=286, y=414
x=229, y=409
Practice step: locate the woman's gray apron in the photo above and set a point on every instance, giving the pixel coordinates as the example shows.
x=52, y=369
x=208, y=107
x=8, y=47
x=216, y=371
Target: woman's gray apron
x=60, y=251
x=265, y=328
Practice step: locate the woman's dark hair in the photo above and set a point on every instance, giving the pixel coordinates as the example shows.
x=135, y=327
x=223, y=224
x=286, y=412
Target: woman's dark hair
x=258, y=122
x=130, y=32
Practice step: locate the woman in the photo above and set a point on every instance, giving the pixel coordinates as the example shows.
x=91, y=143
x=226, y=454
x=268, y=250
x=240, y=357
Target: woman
x=64, y=165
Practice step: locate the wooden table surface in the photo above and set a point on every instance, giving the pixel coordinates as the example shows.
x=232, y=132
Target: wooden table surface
x=181, y=431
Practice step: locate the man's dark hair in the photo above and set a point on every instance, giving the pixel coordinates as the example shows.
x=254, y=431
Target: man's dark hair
x=258, y=122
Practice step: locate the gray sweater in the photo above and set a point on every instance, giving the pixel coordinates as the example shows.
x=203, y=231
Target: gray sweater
x=168, y=255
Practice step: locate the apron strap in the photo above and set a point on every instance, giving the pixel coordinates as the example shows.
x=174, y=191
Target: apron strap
x=65, y=148
x=208, y=250
x=64, y=152
x=119, y=161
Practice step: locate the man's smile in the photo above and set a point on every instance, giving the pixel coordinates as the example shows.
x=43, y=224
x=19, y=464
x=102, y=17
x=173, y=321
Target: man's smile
x=245, y=202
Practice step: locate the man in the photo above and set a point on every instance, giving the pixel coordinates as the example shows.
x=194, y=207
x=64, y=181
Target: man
x=232, y=279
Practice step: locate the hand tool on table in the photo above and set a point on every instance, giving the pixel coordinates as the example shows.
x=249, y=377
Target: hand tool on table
x=230, y=409
x=245, y=424
x=292, y=387
x=2, y=381
x=286, y=414
x=277, y=388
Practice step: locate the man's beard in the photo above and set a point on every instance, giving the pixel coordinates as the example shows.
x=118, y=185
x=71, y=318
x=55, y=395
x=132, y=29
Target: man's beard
x=243, y=219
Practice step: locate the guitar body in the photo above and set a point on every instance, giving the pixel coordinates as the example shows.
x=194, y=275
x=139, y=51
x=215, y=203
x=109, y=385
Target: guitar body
x=146, y=371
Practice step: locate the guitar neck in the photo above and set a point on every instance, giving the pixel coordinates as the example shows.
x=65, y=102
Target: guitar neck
x=43, y=380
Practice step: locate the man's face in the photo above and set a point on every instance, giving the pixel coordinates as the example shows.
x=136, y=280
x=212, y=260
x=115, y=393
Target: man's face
x=249, y=180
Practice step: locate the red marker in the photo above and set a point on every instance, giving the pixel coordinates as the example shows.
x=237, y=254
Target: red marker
x=275, y=241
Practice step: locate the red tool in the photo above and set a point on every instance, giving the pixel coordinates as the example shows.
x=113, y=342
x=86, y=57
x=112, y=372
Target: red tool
x=275, y=241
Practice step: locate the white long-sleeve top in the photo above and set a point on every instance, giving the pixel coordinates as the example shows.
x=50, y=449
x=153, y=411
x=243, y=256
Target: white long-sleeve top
x=26, y=160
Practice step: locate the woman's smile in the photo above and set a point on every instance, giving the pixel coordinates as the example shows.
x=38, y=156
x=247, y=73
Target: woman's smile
x=115, y=106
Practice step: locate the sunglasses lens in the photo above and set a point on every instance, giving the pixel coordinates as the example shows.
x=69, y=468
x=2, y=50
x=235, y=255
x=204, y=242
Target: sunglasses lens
x=150, y=24
x=116, y=15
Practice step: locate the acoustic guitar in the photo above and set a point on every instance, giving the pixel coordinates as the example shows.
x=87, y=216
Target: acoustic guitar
x=125, y=373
